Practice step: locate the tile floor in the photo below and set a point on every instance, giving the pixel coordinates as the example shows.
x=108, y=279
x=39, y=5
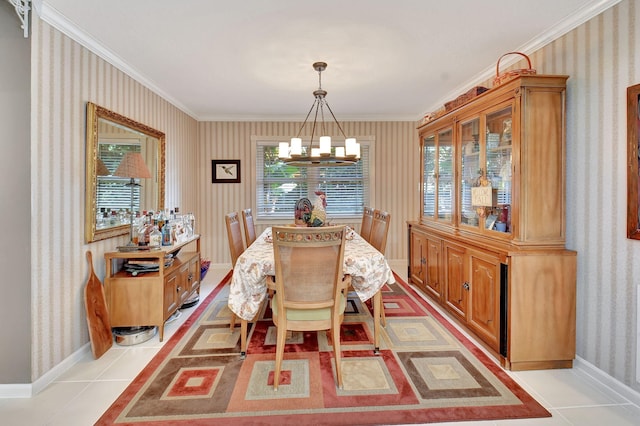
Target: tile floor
x=80, y=395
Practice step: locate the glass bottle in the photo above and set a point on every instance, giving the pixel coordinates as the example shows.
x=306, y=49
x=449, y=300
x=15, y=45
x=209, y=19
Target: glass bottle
x=167, y=240
x=100, y=218
x=160, y=220
x=143, y=231
x=190, y=223
x=136, y=228
x=155, y=237
x=113, y=220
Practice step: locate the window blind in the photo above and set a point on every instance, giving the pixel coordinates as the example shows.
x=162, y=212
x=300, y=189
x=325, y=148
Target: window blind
x=279, y=186
x=113, y=193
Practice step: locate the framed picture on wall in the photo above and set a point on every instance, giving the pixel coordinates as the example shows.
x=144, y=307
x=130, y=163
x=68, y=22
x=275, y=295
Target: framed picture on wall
x=225, y=171
x=633, y=162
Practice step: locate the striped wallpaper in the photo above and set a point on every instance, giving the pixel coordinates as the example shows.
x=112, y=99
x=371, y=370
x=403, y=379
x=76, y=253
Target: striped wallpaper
x=600, y=56
x=394, y=185
x=66, y=76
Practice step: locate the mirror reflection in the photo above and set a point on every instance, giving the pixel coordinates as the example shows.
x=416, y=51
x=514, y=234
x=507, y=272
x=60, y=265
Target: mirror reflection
x=125, y=172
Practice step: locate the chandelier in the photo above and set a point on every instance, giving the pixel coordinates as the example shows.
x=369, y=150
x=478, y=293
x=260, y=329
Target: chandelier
x=323, y=155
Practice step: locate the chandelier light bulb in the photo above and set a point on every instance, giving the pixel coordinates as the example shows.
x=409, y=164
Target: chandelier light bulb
x=351, y=147
x=325, y=145
x=283, y=150
x=296, y=146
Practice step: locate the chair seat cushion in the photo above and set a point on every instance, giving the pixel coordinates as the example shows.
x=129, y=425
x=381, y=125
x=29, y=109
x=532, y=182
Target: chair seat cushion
x=322, y=314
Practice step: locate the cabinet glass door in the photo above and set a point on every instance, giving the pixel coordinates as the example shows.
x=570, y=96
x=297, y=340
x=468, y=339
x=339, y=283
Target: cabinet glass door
x=446, y=185
x=429, y=177
x=469, y=172
x=437, y=179
x=499, y=165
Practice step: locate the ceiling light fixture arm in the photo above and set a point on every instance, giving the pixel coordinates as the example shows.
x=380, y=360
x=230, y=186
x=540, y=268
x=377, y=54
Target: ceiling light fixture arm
x=334, y=119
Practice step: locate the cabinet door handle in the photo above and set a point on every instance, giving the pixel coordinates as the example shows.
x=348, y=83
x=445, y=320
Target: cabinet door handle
x=465, y=286
x=179, y=289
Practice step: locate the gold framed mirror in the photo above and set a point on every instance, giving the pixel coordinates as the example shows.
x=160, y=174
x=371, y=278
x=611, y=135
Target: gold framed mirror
x=111, y=196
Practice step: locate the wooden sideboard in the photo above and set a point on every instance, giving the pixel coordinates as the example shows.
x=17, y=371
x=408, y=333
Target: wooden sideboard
x=150, y=298
x=489, y=245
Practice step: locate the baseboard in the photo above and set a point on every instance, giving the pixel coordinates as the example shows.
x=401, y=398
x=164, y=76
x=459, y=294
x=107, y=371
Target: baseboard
x=57, y=371
x=16, y=390
x=592, y=372
x=31, y=389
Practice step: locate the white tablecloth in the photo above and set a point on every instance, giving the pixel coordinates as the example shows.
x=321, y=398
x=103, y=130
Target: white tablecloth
x=368, y=268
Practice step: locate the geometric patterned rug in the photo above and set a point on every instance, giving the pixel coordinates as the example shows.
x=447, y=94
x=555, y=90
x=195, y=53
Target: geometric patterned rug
x=426, y=372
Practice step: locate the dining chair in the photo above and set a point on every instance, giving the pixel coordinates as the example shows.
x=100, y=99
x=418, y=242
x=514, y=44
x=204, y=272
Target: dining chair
x=234, y=233
x=310, y=286
x=236, y=245
x=378, y=239
x=249, y=226
x=379, y=230
x=367, y=222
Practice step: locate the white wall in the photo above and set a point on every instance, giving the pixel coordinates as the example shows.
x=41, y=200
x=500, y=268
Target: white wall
x=15, y=201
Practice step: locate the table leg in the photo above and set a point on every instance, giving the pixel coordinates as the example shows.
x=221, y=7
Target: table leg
x=377, y=305
x=243, y=338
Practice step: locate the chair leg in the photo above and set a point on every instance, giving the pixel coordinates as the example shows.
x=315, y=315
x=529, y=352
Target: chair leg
x=336, y=352
x=280, y=342
x=243, y=338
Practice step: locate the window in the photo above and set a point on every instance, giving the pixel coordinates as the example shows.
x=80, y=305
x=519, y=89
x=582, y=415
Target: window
x=114, y=193
x=279, y=186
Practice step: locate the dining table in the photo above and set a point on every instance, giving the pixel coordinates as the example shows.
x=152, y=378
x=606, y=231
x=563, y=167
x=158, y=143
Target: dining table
x=368, y=269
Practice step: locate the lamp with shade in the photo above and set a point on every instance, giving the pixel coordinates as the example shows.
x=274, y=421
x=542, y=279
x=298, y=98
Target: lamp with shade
x=101, y=168
x=133, y=167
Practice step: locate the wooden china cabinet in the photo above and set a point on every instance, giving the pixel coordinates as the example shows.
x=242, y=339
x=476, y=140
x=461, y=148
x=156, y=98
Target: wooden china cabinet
x=490, y=242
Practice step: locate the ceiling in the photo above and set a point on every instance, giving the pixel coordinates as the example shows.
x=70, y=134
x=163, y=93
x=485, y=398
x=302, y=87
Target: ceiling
x=251, y=59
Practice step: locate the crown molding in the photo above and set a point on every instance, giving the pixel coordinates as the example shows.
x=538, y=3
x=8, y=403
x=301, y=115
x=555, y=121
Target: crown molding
x=300, y=118
x=587, y=12
x=54, y=18
x=51, y=16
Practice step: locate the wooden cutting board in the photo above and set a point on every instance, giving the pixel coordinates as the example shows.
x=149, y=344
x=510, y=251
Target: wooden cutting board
x=97, y=313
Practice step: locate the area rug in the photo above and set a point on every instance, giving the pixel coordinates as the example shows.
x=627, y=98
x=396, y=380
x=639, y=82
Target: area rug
x=427, y=372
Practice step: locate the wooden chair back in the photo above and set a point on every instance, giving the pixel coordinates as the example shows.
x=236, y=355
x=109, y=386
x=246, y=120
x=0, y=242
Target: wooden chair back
x=379, y=230
x=367, y=222
x=249, y=226
x=309, y=277
x=234, y=233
